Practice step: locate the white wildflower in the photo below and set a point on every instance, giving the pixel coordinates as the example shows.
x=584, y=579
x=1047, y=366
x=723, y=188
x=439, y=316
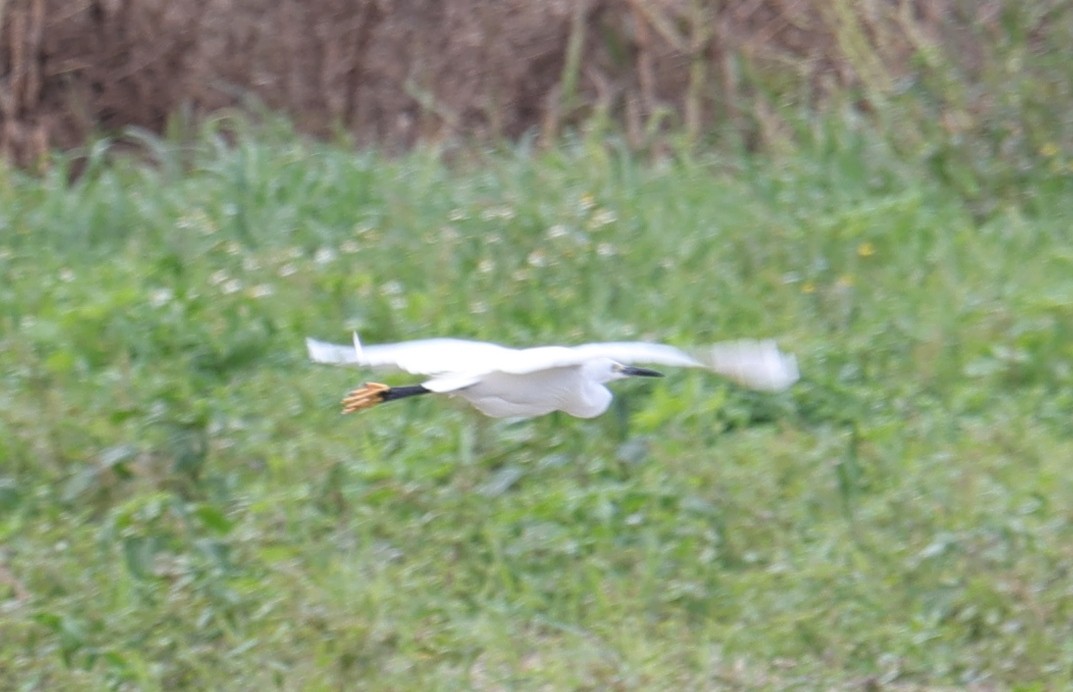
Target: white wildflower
x=557, y=231
x=160, y=297
x=324, y=255
x=603, y=217
x=502, y=212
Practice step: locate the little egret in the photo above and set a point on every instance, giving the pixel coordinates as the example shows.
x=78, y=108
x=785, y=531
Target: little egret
x=507, y=382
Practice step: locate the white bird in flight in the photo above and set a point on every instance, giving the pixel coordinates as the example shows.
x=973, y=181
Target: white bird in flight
x=507, y=382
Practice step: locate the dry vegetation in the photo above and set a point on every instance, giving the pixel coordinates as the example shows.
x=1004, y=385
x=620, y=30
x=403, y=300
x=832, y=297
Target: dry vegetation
x=395, y=73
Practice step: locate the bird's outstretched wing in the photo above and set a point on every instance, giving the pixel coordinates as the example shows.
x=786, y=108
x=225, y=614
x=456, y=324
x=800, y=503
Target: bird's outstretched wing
x=756, y=364
x=630, y=352
x=456, y=363
x=421, y=357
x=451, y=364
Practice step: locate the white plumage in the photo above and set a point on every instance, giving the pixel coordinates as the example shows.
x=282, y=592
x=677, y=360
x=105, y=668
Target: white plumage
x=509, y=382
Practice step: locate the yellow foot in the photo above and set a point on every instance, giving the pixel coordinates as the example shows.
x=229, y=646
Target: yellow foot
x=365, y=396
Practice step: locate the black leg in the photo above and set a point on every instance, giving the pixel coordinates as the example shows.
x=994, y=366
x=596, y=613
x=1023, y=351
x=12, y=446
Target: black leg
x=402, y=392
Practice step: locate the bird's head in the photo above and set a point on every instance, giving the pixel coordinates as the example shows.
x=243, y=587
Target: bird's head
x=606, y=370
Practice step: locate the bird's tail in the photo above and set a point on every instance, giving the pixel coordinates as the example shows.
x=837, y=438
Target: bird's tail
x=754, y=364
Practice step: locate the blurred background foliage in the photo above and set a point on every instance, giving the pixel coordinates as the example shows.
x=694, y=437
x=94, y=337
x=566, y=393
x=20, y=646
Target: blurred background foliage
x=884, y=186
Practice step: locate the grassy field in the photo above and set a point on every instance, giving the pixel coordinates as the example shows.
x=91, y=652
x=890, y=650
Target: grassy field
x=181, y=504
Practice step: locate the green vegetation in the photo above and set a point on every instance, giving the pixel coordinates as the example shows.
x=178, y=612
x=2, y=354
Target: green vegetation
x=181, y=504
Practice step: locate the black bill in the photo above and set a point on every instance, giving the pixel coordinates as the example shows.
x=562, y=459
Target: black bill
x=640, y=372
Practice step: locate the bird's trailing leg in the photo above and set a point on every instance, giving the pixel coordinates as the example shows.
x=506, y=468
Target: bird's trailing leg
x=372, y=393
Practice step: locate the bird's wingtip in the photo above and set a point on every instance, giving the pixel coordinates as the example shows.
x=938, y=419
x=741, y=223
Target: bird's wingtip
x=789, y=371
x=755, y=364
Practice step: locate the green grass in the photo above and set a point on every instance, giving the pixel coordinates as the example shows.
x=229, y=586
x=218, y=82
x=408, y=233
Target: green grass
x=181, y=504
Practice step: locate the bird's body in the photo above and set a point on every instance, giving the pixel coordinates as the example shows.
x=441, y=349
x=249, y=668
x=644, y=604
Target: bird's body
x=502, y=394
x=507, y=382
